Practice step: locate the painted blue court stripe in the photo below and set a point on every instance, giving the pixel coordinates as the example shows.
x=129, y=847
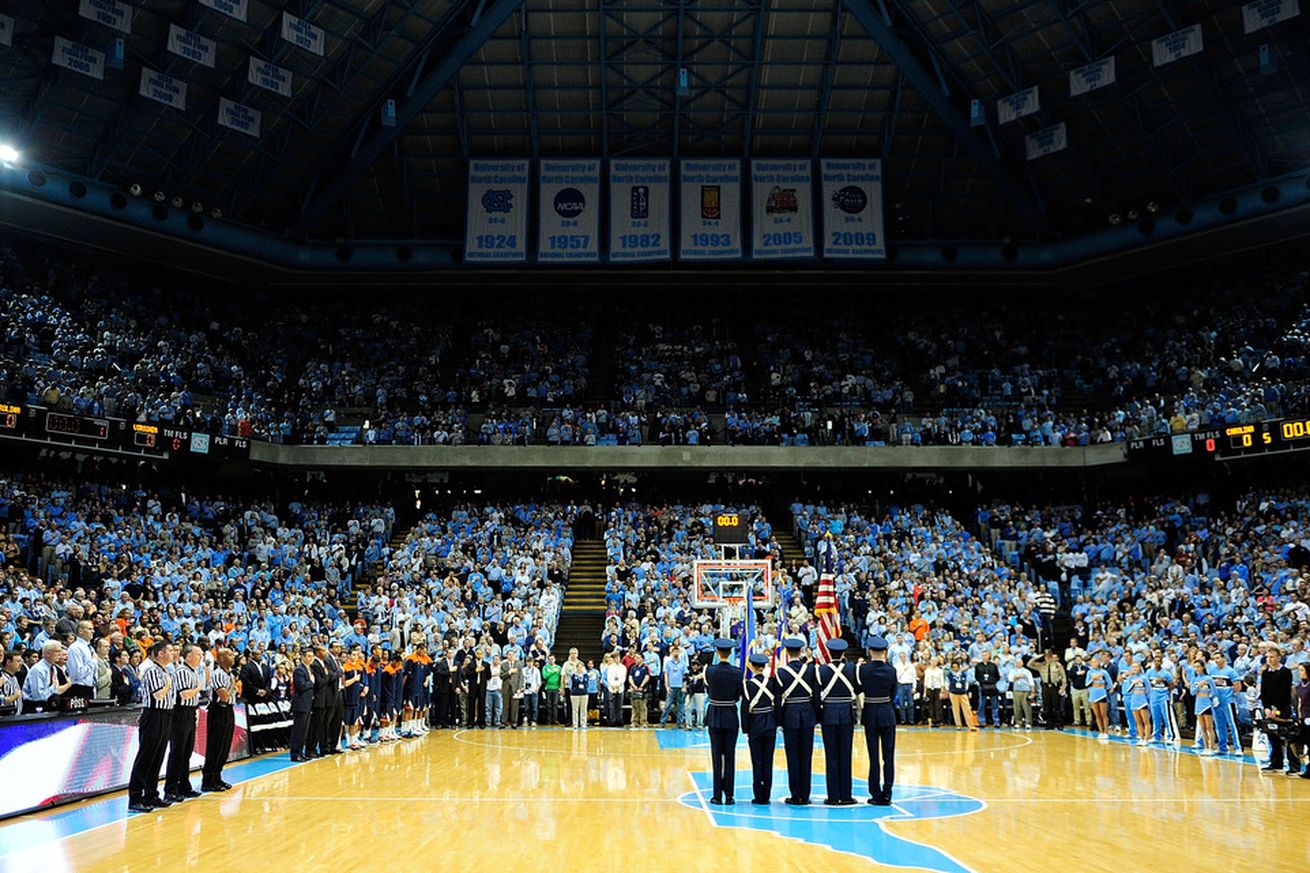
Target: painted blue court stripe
x=40, y=829
x=1186, y=748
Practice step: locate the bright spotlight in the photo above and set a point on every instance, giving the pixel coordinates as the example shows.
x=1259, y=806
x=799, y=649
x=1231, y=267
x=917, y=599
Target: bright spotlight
x=8, y=154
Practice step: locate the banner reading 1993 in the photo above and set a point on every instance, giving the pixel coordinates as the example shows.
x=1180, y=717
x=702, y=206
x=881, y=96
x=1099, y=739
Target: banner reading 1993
x=497, y=224
x=711, y=210
x=569, y=211
x=781, y=209
x=639, y=211
x=852, y=209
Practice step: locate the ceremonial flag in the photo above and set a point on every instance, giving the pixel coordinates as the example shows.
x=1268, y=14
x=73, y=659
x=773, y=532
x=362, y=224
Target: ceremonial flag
x=748, y=634
x=825, y=608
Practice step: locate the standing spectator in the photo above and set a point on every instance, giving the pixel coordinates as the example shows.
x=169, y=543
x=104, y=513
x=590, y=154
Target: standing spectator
x=578, y=697
x=551, y=678
x=697, y=698
x=1077, y=673
x=11, y=690
x=615, y=678
x=82, y=663
x=512, y=674
x=638, y=690
x=958, y=679
x=532, y=692
x=906, y=677
x=1276, y=698
x=1045, y=604
x=934, y=692
x=495, y=681
x=675, y=675
x=104, y=671
x=1021, y=687
x=1054, y=684
x=988, y=676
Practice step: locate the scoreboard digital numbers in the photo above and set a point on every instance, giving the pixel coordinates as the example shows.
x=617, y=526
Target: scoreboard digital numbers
x=1227, y=442
x=730, y=529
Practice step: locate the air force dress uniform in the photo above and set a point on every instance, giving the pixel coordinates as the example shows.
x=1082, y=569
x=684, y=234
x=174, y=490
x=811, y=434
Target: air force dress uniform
x=723, y=681
x=759, y=722
x=797, y=714
x=837, y=720
x=877, y=681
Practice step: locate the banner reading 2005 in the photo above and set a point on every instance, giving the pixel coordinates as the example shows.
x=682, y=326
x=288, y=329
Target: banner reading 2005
x=639, y=211
x=781, y=210
x=852, y=209
x=711, y=210
x=569, y=211
x=497, y=225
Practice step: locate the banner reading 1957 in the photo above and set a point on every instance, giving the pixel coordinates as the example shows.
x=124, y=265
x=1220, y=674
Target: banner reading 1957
x=711, y=210
x=781, y=209
x=852, y=209
x=497, y=222
x=569, y=210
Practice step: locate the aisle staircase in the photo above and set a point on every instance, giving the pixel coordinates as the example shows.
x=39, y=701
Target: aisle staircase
x=582, y=615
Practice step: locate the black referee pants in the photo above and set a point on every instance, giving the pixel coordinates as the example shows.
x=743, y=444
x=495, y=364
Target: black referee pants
x=218, y=742
x=181, y=743
x=152, y=738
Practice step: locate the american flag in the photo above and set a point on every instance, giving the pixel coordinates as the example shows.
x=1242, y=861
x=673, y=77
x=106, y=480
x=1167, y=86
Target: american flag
x=825, y=606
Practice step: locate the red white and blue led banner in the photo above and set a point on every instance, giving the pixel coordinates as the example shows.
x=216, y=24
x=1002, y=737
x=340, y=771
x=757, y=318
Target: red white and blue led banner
x=568, y=227
x=497, y=225
x=782, y=209
x=711, y=210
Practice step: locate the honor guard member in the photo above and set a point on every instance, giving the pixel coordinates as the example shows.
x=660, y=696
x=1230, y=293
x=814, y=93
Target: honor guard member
x=152, y=735
x=876, y=680
x=723, y=681
x=797, y=715
x=837, y=721
x=188, y=682
x=219, y=722
x=759, y=722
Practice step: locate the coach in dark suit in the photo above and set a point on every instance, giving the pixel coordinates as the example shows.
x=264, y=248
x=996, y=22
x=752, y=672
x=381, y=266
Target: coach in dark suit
x=302, y=704
x=256, y=687
x=322, y=697
x=334, y=712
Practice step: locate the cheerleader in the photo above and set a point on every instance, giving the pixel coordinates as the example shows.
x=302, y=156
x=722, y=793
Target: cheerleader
x=1099, y=683
x=1203, y=689
x=1136, y=692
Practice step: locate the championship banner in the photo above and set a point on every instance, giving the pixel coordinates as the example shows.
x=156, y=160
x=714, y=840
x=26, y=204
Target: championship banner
x=1267, y=13
x=300, y=32
x=231, y=8
x=1047, y=141
x=240, y=118
x=270, y=77
x=782, y=209
x=192, y=46
x=852, y=208
x=163, y=89
x=1177, y=45
x=639, y=211
x=497, y=224
x=569, y=212
x=711, y=210
x=78, y=58
x=6, y=30
x=1089, y=77
x=110, y=13
x=1017, y=105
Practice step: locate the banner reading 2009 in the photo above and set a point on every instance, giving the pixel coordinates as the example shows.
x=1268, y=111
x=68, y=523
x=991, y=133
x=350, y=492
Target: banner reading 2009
x=497, y=225
x=711, y=210
x=569, y=209
x=852, y=209
x=781, y=209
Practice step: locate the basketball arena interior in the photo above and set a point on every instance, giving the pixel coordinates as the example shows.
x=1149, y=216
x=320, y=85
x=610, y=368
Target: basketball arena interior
x=841, y=435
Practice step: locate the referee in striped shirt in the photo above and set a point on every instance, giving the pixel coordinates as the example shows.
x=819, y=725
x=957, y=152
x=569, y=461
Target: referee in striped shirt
x=188, y=682
x=153, y=727
x=219, y=723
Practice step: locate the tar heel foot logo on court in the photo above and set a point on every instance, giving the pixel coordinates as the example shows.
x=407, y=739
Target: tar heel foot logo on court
x=569, y=203
x=851, y=199
x=498, y=200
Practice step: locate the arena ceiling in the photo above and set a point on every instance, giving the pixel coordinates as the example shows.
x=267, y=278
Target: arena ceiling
x=888, y=78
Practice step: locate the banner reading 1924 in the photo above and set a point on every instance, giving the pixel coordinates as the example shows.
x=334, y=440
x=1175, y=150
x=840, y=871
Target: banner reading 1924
x=497, y=222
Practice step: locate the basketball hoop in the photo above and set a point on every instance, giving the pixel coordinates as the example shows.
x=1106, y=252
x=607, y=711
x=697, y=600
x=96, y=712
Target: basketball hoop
x=728, y=585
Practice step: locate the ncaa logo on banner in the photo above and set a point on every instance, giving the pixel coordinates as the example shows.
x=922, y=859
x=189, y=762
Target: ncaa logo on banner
x=498, y=200
x=709, y=202
x=569, y=203
x=850, y=199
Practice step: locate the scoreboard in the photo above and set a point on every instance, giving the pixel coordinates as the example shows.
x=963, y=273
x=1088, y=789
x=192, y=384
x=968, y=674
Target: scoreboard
x=36, y=424
x=1228, y=441
x=730, y=529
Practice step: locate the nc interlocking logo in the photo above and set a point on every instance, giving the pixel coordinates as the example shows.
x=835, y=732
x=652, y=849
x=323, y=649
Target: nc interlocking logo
x=498, y=200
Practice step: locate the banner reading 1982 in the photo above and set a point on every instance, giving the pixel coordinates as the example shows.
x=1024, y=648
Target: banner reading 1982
x=852, y=209
x=781, y=209
x=711, y=210
x=639, y=211
x=497, y=224
x=569, y=211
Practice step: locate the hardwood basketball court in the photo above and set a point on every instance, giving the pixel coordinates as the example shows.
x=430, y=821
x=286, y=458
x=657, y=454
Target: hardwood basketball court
x=624, y=800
